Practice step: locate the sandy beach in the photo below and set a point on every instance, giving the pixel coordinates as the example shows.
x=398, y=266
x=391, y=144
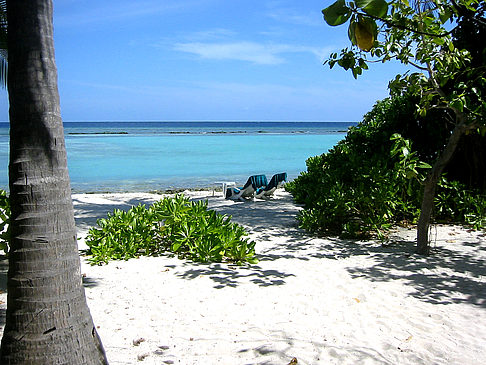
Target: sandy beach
x=318, y=300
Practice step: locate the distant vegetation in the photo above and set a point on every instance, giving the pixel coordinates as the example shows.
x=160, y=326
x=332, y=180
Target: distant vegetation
x=89, y=133
x=373, y=178
x=174, y=225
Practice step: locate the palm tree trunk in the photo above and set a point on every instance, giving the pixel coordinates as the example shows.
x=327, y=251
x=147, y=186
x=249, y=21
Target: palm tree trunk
x=430, y=185
x=47, y=320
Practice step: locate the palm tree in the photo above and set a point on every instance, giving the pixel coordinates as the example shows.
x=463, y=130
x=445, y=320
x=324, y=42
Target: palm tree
x=3, y=43
x=47, y=320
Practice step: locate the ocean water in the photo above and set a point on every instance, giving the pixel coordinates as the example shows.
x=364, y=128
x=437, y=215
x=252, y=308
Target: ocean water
x=147, y=156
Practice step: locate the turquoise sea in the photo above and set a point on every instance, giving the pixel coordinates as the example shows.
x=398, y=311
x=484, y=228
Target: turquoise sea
x=147, y=156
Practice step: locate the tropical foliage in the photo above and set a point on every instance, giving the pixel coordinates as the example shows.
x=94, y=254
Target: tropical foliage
x=419, y=34
x=186, y=228
x=372, y=179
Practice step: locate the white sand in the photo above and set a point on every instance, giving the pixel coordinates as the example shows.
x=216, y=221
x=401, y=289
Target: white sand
x=320, y=300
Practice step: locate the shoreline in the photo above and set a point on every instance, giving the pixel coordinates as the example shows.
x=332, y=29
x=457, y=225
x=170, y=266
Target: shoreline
x=332, y=131
x=320, y=300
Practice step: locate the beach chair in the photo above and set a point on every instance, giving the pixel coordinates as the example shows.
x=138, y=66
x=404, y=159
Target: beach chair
x=253, y=184
x=276, y=181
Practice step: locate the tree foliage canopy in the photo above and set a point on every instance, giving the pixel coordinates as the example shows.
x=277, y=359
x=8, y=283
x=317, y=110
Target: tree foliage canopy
x=372, y=179
x=447, y=85
x=418, y=34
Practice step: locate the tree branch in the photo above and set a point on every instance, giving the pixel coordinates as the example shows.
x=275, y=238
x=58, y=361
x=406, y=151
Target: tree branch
x=404, y=27
x=418, y=66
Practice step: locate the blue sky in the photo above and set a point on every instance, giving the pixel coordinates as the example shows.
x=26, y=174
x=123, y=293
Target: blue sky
x=205, y=60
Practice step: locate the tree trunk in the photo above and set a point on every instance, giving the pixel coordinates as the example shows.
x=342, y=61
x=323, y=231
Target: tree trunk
x=47, y=320
x=433, y=177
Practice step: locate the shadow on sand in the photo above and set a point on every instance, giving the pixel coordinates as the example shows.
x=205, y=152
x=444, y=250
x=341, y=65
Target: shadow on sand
x=229, y=276
x=448, y=276
x=86, y=213
x=452, y=274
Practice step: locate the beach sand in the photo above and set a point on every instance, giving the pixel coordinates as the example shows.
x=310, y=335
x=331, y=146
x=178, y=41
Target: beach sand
x=318, y=300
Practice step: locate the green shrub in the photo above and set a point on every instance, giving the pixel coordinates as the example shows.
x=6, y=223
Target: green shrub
x=372, y=179
x=454, y=202
x=176, y=225
x=352, y=192
x=122, y=235
x=4, y=221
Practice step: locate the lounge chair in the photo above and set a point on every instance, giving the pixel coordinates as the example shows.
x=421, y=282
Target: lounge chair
x=253, y=184
x=276, y=181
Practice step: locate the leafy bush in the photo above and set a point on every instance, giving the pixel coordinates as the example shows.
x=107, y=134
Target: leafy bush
x=372, y=179
x=4, y=221
x=454, y=202
x=176, y=225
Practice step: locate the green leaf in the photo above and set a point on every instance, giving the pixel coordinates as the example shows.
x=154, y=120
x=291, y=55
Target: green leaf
x=424, y=165
x=457, y=104
x=395, y=136
x=445, y=15
x=176, y=246
x=352, y=32
x=363, y=64
x=378, y=8
x=337, y=13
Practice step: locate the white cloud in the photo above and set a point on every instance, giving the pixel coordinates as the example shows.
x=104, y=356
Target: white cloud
x=291, y=16
x=243, y=51
x=258, y=53
x=292, y=12
x=211, y=34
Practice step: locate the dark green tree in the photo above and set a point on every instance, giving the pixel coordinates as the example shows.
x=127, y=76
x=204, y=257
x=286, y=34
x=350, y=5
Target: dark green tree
x=468, y=164
x=418, y=34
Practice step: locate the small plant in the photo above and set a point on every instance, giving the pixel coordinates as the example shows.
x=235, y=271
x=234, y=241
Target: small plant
x=409, y=164
x=4, y=221
x=122, y=235
x=188, y=229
